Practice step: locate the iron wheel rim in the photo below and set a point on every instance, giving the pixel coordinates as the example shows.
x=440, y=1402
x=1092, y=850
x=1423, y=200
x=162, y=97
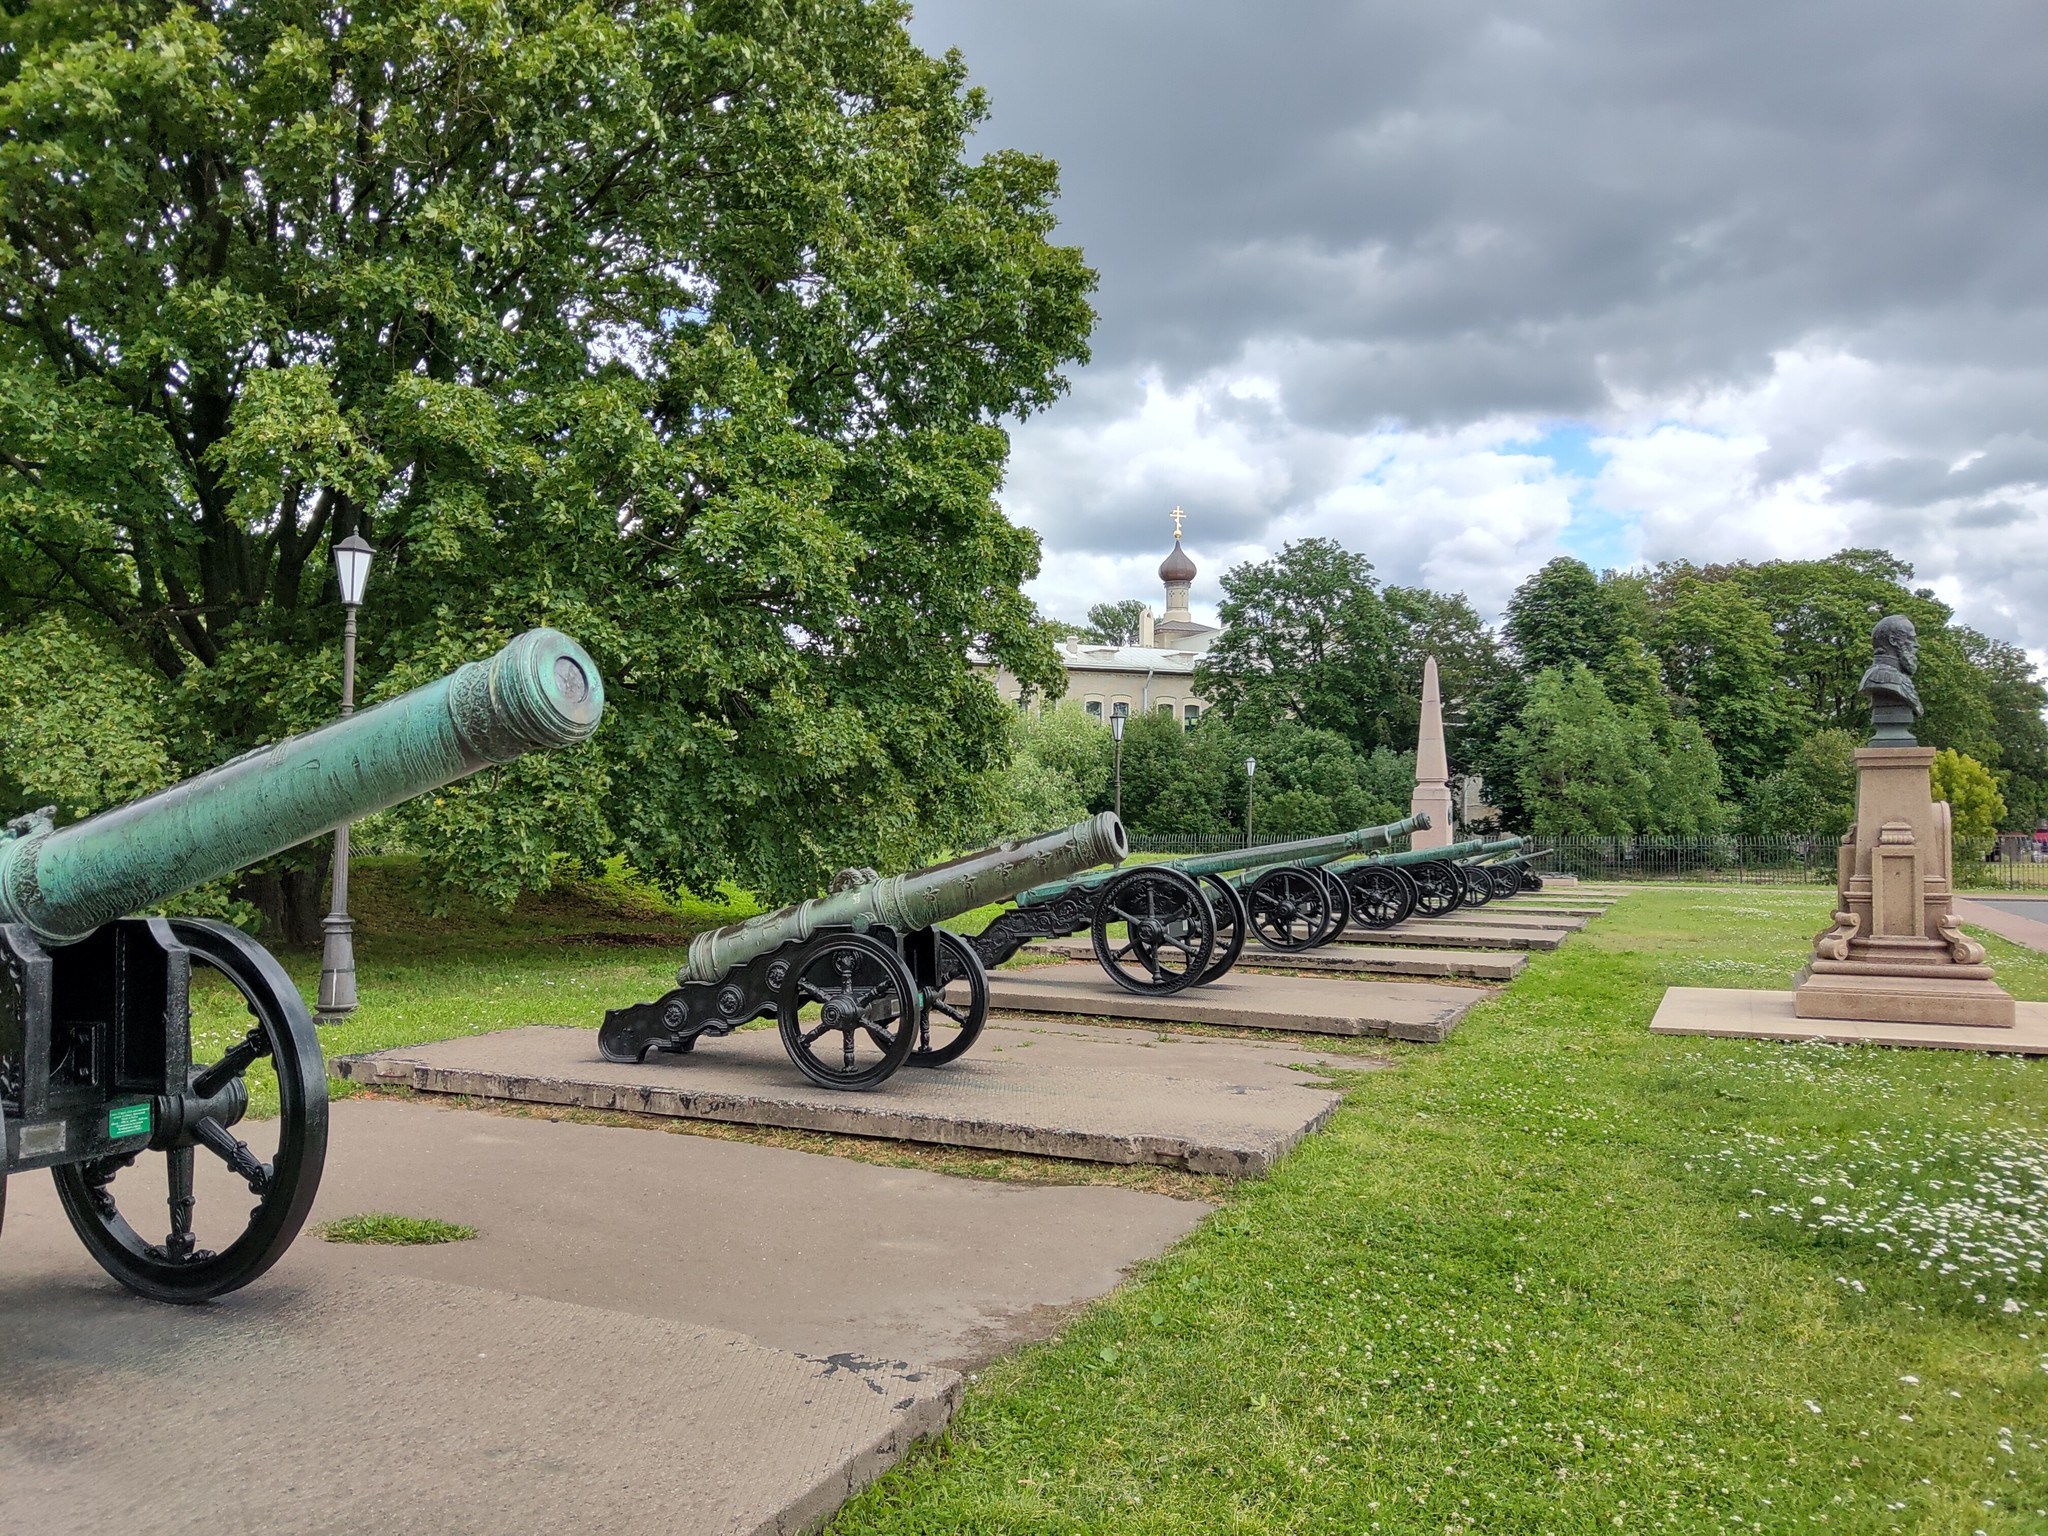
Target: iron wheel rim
x=863, y=991
x=291, y=1178
x=1164, y=914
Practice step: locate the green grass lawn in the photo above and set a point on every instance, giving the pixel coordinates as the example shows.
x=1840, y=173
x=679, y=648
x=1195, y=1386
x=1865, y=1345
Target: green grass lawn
x=1562, y=1275
x=1556, y=1275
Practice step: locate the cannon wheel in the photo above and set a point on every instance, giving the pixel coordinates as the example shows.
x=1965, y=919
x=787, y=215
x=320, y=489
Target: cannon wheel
x=1478, y=885
x=863, y=993
x=1438, y=890
x=1290, y=908
x=1507, y=880
x=1231, y=923
x=1340, y=907
x=176, y=1269
x=1381, y=896
x=1169, y=931
x=961, y=996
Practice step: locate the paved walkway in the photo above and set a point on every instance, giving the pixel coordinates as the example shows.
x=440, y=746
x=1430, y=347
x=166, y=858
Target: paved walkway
x=652, y=1333
x=2021, y=919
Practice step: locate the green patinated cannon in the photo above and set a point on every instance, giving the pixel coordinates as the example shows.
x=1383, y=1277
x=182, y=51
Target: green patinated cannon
x=1430, y=882
x=1183, y=921
x=96, y=1036
x=866, y=963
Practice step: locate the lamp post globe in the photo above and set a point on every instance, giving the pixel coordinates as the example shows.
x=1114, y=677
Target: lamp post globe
x=352, y=559
x=1251, y=766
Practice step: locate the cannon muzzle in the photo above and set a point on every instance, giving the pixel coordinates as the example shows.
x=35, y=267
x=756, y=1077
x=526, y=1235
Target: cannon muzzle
x=540, y=692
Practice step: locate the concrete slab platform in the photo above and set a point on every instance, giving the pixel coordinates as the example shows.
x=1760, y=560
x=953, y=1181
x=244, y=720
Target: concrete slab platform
x=1478, y=965
x=1745, y=1015
x=1439, y=933
x=1401, y=1010
x=798, y=1320
x=1057, y=1090
x=1509, y=917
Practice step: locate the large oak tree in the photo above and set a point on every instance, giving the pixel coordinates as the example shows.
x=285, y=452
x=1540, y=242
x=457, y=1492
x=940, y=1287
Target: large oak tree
x=685, y=327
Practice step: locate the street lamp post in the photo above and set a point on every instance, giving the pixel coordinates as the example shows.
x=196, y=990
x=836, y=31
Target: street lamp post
x=352, y=558
x=1116, y=733
x=1251, y=766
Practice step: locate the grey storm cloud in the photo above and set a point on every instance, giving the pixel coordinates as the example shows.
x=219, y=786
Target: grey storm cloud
x=1432, y=214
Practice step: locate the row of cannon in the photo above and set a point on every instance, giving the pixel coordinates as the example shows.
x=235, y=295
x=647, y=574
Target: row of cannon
x=97, y=1063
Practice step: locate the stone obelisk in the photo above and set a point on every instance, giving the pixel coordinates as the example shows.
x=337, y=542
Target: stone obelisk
x=1894, y=953
x=1432, y=768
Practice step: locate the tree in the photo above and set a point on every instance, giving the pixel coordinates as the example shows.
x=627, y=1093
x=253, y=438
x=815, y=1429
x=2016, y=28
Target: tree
x=687, y=327
x=2016, y=698
x=1114, y=623
x=1815, y=791
x=1468, y=662
x=1582, y=765
x=1722, y=658
x=1685, y=784
x=1975, y=808
x=1059, y=767
x=1306, y=638
x=1561, y=615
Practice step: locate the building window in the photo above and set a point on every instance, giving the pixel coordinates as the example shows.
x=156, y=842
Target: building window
x=1165, y=708
x=1123, y=707
x=1189, y=716
x=1094, y=708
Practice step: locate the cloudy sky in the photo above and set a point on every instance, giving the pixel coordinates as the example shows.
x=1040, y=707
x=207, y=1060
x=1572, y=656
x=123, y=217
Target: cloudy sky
x=1467, y=286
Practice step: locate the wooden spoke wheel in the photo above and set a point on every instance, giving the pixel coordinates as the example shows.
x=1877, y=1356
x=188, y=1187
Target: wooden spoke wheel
x=1438, y=889
x=956, y=1008
x=219, y=1243
x=1290, y=908
x=1381, y=896
x=1231, y=923
x=849, y=1011
x=1168, y=936
x=1507, y=880
x=1340, y=907
x=1478, y=885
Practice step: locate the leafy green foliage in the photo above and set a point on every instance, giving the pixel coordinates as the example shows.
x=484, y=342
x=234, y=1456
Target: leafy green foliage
x=687, y=328
x=80, y=725
x=1306, y=638
x=1815, y=790
x=1114, y=623
x=1972, y=794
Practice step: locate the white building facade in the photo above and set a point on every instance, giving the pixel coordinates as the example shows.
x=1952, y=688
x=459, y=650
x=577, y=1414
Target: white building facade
x=1155, y=676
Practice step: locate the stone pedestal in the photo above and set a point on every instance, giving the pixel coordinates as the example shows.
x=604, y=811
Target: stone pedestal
x=1895, y=953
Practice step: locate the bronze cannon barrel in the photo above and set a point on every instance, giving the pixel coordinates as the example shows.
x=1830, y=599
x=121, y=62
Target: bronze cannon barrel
x=540, y=692
x=918, y=899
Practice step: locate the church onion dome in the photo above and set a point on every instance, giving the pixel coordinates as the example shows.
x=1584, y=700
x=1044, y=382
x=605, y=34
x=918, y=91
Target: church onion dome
x=1177, y=566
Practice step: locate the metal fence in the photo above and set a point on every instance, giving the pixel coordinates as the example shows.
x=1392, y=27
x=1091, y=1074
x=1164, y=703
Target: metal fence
x=1786, y=859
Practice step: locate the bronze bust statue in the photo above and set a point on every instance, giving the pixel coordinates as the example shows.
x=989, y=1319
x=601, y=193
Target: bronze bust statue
x=1888, y=683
